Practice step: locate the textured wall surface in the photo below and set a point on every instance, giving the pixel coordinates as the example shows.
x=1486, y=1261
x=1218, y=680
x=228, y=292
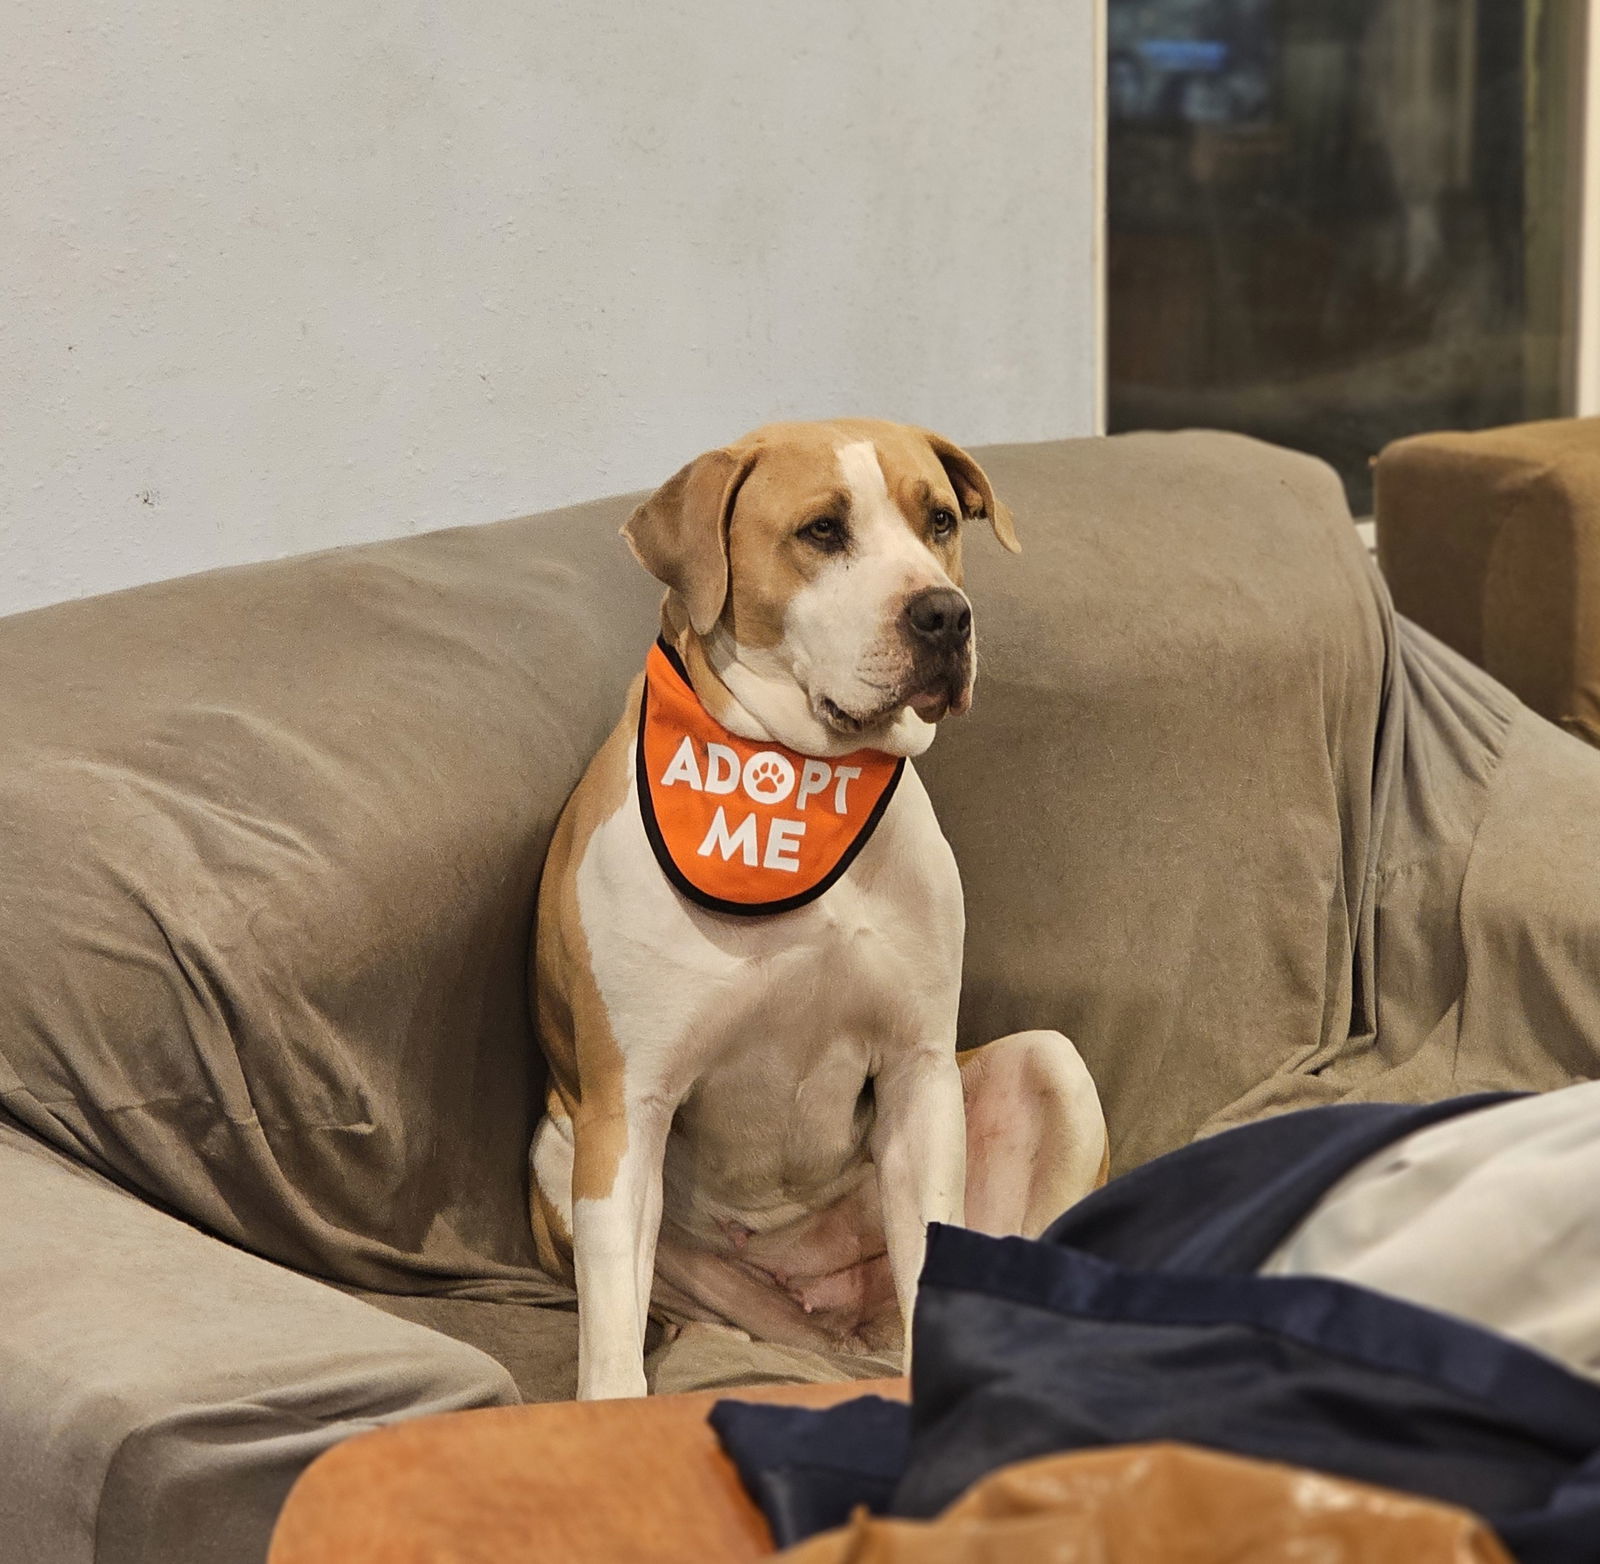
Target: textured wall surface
x=279, y=277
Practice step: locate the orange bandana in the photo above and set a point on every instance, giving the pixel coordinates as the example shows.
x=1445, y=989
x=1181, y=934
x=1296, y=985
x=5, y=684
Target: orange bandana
x=742, y=826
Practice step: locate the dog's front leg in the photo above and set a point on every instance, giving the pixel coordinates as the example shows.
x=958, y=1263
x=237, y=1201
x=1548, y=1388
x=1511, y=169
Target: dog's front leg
x=616, y=1221
x=919, y=1144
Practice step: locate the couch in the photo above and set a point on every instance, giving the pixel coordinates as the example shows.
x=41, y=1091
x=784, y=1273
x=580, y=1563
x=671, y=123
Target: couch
x=269, y=842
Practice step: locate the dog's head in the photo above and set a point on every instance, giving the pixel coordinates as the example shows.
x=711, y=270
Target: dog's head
x=820, y=567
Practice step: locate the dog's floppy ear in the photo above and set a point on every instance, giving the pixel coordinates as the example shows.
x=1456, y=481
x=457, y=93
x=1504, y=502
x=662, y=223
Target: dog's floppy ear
x=680, y=534
x=973, y=490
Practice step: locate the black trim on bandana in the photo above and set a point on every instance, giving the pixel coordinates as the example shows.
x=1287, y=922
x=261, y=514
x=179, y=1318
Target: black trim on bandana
x=670, y=652
x=686, y=887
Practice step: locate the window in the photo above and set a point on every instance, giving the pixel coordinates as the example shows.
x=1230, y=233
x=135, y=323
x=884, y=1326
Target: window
x=1334, y=222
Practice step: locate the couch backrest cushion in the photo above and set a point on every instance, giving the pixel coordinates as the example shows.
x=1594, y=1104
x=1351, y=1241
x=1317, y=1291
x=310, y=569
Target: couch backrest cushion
x=1161, y=799
x=269, y=842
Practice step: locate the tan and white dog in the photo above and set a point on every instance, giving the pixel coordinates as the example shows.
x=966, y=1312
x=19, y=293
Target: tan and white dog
x=752, y=1118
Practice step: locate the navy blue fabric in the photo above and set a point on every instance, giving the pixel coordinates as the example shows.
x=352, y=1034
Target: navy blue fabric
x=1032, y=1348
x=1140, y=1317
x=808, y=1470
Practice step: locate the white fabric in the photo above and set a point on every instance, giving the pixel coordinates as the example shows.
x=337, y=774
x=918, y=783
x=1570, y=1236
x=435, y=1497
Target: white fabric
x=1493, y=1217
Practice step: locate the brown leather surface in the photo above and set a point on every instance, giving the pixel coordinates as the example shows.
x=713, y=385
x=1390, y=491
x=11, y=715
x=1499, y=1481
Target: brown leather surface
x=617, y=1480
x=1491, y=541
x=1165, y=1504
x=579, y=1482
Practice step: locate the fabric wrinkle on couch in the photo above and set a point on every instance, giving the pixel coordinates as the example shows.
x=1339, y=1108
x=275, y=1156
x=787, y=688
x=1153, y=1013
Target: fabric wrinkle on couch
x=269, y=839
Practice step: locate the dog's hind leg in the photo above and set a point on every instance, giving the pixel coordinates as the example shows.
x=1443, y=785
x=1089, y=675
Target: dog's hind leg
x=1036, y=1137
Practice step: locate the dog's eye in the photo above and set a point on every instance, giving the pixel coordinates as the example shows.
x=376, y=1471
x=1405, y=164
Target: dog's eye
x=943, y=525
x=826, y=532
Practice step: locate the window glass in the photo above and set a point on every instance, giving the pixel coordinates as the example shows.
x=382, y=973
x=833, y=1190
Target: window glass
x=1334, y=222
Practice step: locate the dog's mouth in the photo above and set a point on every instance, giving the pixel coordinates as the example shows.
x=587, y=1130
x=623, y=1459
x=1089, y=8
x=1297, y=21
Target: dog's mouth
x=933, y=702
x=837, y=717
x=936, y=705
x=944, y=690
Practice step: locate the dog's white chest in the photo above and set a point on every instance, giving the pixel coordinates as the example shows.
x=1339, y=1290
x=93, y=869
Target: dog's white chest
x=766, y=1030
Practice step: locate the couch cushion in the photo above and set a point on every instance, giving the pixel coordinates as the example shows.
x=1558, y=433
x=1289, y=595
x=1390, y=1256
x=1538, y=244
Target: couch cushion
x=271, y=839
x=1161, y=799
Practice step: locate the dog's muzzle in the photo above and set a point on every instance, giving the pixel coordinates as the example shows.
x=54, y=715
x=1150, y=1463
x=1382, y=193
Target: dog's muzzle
x=938, y=625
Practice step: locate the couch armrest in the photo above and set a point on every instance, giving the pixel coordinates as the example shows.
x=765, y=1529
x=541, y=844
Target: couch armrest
x=163, y=1390
x=1491, y=541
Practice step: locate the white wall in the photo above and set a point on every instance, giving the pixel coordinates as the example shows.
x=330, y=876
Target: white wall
x=281, y=276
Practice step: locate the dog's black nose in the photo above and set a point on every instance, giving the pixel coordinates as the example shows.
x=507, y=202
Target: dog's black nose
x=940, y=616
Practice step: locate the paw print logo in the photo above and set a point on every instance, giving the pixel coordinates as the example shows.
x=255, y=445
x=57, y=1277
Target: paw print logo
x=768, y=777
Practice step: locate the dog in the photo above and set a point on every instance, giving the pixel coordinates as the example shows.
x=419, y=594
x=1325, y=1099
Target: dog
x=748, y=949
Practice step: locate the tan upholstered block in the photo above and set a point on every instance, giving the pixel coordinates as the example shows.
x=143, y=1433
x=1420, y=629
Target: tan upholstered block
x=587, y=1482
x=1491, y=540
